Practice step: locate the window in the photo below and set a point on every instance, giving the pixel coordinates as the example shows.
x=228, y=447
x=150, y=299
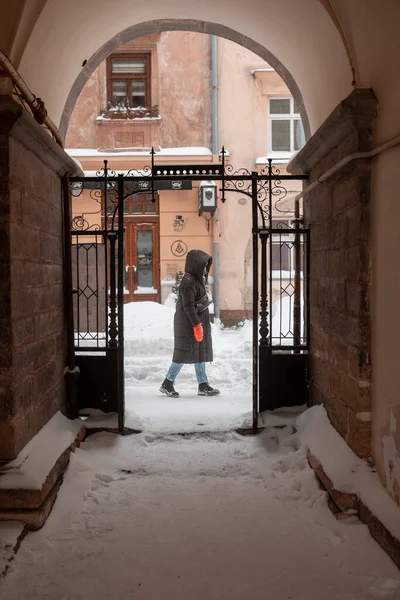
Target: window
x=137, y=205
x=141, y=204
x=283, y=242
x=282, y=247
x=286, y=133
x=128, y=80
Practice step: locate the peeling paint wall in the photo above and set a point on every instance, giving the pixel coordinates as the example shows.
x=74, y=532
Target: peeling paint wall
x=180, y=85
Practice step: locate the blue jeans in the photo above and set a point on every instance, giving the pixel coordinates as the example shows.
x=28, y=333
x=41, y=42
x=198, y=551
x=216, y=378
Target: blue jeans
x=200, y=369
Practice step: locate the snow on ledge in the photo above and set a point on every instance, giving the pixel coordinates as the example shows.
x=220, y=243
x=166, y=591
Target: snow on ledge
x=35, y=461
x=284, y=159
x=184, y=151
x=347, y=472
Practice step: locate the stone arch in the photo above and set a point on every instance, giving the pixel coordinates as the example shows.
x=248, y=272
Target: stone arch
x=160, y=25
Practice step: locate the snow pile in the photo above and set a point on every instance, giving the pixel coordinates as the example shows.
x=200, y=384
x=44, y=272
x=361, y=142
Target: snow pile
x=282, y=323
x=347, y=472
x=148, y=329
x=149, y=342
x=33, y=464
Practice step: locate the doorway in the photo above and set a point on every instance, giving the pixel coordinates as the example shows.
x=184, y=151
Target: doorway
x=142, y=260
x=142, y=248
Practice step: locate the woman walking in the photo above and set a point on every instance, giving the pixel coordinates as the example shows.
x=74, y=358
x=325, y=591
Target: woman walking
x=192, y=329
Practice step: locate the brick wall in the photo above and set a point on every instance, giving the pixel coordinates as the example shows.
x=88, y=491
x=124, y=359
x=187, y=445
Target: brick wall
x=338, y=214
x=33, y=337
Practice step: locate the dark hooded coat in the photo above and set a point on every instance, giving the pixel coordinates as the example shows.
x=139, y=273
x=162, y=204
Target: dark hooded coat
x=191, y=290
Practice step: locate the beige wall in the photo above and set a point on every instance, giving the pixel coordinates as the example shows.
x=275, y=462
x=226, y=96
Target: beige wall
x=185, y=89
x=386, y=322
x=82, y=131
x=243, y=116
x=194, y=235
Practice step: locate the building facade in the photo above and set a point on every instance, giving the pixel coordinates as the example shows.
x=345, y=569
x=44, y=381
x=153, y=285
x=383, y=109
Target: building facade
x=186, y=95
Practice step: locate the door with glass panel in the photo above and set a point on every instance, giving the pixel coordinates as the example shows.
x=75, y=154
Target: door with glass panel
x=142, y=262
x=142, y=248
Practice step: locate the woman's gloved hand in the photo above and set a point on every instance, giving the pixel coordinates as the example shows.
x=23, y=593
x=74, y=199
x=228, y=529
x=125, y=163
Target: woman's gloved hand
x=198, y=332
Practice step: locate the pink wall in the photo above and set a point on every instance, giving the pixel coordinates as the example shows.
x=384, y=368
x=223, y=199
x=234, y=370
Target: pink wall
x=181, y=86
x=82, y=130
x=185, y=85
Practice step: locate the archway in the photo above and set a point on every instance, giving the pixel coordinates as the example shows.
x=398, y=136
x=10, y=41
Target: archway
x=64, y=38
x=158, y=26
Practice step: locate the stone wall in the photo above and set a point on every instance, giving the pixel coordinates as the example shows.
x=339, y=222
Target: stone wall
x=33, y=341
x=338, y=214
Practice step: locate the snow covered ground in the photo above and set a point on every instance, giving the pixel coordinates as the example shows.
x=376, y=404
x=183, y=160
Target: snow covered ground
x=211, y=515
x=148, y=353
x=214, y=516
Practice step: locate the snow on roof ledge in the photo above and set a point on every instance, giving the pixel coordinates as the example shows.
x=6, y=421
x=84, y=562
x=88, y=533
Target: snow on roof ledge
x=207, y=183
x=184, y=151
x=263, y=160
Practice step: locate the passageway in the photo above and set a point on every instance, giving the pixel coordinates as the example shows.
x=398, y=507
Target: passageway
x=221, y=517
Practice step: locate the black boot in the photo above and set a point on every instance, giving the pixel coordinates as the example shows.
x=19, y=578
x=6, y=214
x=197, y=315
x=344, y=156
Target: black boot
x=205, y=389
x=167, y=387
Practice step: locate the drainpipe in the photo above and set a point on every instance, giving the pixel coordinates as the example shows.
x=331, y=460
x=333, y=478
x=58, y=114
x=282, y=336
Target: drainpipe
x=35, y=104
x=215, y=150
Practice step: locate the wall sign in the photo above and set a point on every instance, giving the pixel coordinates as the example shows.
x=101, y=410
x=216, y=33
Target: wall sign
x=179, y=223
x=160, y=184
x=179, y=248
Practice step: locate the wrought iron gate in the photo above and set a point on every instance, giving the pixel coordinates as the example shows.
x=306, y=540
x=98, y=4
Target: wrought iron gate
x=281, y=255
x=96, y=302
x=96, y=286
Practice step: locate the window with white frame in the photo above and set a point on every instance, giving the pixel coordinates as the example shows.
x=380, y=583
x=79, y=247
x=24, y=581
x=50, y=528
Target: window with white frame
x=285, y=129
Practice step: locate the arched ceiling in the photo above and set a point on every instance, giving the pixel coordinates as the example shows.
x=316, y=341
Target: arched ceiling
x=136, y=31
x=324, y=44
x=300, y=34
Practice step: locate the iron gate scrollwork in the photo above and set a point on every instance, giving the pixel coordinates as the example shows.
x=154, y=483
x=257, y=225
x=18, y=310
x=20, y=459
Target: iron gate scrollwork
x=97, y=262
x=280, y=245
x=280, y=285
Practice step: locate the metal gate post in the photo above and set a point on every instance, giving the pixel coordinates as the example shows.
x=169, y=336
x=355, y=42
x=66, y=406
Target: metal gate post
x=265, y=350
x=255, y=299
x=297, y=282
x=264, y=327
x=112, y=326
x=121, y=268
x=70, y=372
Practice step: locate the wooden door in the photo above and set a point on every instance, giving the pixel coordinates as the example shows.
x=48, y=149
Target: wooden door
x=142, y=261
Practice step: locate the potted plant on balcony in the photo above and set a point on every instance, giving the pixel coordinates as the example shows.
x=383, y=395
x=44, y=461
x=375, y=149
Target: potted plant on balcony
x=124, y=111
